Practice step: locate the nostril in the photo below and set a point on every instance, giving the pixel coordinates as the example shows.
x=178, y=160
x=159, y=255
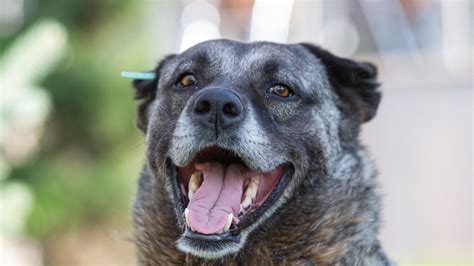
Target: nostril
x=231, y=109
x=202, y=107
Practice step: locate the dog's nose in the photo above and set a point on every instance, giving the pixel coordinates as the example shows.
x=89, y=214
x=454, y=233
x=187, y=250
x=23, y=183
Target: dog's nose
x=218, y=108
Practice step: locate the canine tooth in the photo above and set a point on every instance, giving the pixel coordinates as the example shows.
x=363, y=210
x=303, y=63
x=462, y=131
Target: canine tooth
x=246, y=203
x=252, y=188
x=250, y=192
x=186, y=213
x=194, y=183
x=190, y=193
x=230, y=217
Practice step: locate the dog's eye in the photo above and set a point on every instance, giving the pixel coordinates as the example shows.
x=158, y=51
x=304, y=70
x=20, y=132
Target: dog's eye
x=187, y=80
x=281, y=90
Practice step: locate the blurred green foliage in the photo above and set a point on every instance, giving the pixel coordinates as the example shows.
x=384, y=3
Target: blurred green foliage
x=90, y=153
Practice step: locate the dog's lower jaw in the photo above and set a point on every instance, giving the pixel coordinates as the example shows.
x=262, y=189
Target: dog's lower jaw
x=318, y=241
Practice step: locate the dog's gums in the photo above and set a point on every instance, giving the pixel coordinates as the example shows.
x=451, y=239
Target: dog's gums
x=219, y=191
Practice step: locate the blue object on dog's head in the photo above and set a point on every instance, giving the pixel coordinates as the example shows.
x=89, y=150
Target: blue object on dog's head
x=138, y=75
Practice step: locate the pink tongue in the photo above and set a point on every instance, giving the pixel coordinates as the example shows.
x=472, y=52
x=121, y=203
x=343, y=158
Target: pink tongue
x=218, y=196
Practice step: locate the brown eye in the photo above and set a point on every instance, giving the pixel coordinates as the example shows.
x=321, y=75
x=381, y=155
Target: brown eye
x=282, y=91
x=187, y=80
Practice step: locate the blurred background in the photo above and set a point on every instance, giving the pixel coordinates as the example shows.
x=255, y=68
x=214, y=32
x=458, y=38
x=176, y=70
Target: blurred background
x=70, y=152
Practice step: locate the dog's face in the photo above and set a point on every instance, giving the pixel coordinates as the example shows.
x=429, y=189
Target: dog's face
x=235, y=129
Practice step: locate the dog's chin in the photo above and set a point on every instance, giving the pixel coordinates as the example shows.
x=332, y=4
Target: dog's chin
x=220, y=200
x=210, y=246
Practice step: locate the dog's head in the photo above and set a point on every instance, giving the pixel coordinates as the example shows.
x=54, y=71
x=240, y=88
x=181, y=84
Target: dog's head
x=234, y=129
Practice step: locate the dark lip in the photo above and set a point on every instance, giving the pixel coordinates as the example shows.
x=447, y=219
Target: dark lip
x=228, y=236
x=233, y=235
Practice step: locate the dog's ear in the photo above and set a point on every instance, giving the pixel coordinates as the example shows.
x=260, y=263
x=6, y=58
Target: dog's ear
x=354, y=82
x=145, y=91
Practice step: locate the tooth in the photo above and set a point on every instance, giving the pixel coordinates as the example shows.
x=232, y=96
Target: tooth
x=250, y=192
x=194, y=183
x=230, y=217
x=246, y=202
x=186, y=213
x=252, y=188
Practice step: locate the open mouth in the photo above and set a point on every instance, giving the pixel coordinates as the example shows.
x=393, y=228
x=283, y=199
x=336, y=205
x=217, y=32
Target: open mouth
x=220, y=196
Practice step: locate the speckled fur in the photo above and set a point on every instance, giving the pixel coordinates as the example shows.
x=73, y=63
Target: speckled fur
x=329, y=214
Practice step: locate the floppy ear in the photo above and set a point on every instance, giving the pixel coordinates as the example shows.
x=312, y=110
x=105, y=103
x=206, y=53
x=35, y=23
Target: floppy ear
x=354, y=82
x=145, y=90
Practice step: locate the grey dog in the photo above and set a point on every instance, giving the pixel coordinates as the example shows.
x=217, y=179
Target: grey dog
x=253, y=158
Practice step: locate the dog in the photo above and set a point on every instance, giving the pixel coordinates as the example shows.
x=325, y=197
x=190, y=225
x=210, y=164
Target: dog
x=253, y=158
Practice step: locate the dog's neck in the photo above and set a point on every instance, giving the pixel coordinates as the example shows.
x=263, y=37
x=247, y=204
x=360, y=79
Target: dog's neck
x=332, y=217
